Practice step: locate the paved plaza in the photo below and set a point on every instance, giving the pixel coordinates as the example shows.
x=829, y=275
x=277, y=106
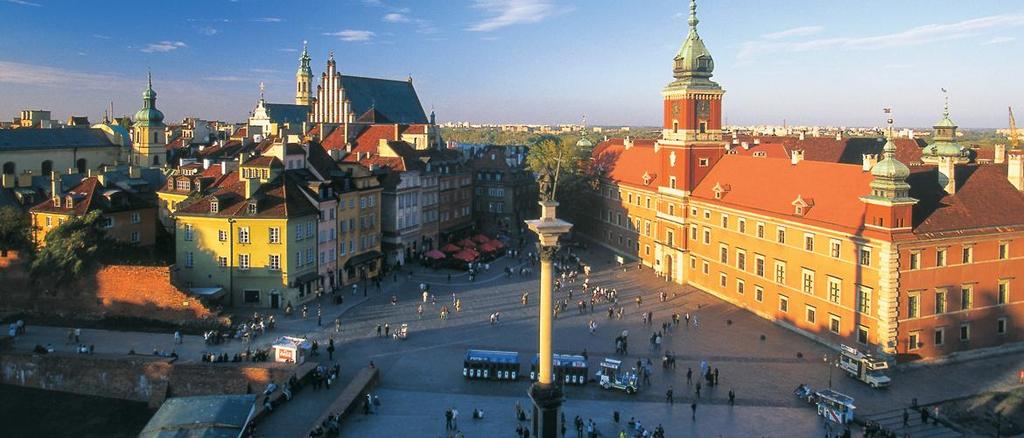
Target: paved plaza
x=422, y=375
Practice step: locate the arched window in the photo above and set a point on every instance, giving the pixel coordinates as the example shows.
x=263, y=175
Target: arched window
x=46, y=168
x=81, y=164
x=9, y=168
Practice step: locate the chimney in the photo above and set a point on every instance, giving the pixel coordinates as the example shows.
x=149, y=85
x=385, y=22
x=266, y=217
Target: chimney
x=55, y=184
x=206, y=163
x=735, y=141
x=796, y=156
x=839, y=136
x=627, y=142
x=870, y=160
x=947, y=174
x=757, y=141
x=745, y=145
x=1015, y=170
x=1000, y=154
x=223, y=167
x=25, y=179
x=8, y=180
x=251, y=186
x=801, y=135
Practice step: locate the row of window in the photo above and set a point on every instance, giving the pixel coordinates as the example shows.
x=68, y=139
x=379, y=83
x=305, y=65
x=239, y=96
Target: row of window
x=966, y=255
x=966, y=299
x=914, y=341
x=809, y=239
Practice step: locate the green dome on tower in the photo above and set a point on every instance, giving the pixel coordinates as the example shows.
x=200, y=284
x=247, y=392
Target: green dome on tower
x=944, y=142
x=890, y=169
x=693, y=65
x=149, y=115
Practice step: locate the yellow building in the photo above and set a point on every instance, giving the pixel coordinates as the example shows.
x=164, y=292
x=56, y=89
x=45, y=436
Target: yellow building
x=253, y=238
x=126, y=217
x=188, y=181
x=359, y=254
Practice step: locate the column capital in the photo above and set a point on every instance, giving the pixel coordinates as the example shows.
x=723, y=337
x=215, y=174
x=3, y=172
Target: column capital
x=547, y=253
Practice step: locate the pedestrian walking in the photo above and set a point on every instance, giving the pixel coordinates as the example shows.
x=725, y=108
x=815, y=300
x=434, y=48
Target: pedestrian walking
x=455, y=418
x=330, y=349
x=668, y=396
x=177, y=337
x=693, y=408
x=689, y=376
x=698, y=389
x=378, y=329
x=732, y=398
x=337, y=325
x=447, y=419
x=78, y=335
x=387, y=329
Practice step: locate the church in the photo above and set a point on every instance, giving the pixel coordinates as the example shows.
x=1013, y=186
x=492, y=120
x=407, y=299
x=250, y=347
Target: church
x=910, y=260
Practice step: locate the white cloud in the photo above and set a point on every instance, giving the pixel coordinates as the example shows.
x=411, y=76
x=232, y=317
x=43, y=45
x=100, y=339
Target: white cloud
x=352, y=35
x=100, y=36
x=207, y=30
x=796, y=31
x=287, y=49
x=926, y=34
x=163, y=46
x=268, y=20
x=999, y=40
x=24, y=3
x=510, y=12
x=41, y=75
x=395, y=17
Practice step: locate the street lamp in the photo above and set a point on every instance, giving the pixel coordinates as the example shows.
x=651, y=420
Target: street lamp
x=828, y=365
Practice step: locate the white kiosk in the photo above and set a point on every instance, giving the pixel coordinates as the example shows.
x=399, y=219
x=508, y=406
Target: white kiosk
x=290, y=349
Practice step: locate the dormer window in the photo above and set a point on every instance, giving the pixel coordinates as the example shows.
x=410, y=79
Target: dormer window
x=252, y=208
x=801, y=205
x=214, y=206
x=720, y=190
x=647, y=178
x=760, y=154
x=69, y=202
x=56, y=201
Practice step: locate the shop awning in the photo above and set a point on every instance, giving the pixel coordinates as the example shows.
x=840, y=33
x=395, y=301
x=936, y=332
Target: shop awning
x=208, y=292
x=306, y=278
x=363, y=258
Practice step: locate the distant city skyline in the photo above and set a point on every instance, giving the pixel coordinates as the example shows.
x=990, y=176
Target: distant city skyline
x=524, y=61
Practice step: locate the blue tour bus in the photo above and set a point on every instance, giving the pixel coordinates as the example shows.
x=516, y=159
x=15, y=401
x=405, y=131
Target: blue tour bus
x=489, y=364
x=568, y=368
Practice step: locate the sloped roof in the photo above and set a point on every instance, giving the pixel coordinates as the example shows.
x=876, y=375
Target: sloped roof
x=369, y=139
x=396, y=100
x=287, y=113
x=281, y=197
x=373, y=116
x=984, y=200
x=847, y=150
x=770, y=185
x=39, y=138
x=627, y=166
x=769, y=150
x=89, y=195
x=320, y=161
x=209, y=416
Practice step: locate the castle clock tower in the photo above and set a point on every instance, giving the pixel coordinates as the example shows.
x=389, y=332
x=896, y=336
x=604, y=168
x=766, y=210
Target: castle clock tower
x=692, y=129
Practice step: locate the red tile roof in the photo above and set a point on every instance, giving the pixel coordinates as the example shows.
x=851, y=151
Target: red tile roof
x=984, y=201
x=627, y=166
x=369, y=139
x=177, y=143
x=848, y=150
x=770, y=185
x=763, y=150
x=90, y=195
x=281, y=197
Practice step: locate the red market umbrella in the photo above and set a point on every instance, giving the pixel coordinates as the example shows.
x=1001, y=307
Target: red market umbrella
x=480, y=238
x=434, y=254
x=466, y=255
x=450, y=248
x=466, y=243
x=488, y=247
x=497, y=244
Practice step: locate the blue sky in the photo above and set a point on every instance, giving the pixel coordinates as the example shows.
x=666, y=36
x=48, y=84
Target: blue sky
x=533, y=61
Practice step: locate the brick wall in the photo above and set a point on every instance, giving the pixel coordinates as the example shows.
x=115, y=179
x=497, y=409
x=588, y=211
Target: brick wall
x=136, y=378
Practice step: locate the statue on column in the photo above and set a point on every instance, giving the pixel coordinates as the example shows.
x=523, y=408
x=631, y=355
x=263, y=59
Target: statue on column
x=545, y=186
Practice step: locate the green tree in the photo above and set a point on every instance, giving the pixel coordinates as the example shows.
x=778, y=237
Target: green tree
x=14, y=230
x=575, y=181
x=71, y=250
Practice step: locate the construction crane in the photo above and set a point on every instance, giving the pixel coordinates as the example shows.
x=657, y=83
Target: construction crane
x=1013, y=130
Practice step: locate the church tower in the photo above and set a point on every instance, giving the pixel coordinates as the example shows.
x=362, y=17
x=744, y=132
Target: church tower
x=332, y=106
x=692, y=129
x=304, y=79
x=149, y=139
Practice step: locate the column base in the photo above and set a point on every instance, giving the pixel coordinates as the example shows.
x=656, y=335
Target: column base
x=547, y=399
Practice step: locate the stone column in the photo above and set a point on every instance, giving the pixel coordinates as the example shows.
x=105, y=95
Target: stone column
x=546, y=394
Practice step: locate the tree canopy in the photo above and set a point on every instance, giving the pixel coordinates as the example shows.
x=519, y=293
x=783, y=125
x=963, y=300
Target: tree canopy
x=550, y=154
x=14, y=230
x=71, y=250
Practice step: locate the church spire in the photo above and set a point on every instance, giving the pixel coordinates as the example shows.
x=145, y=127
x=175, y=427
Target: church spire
x=304, y=78
x=693, y=17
